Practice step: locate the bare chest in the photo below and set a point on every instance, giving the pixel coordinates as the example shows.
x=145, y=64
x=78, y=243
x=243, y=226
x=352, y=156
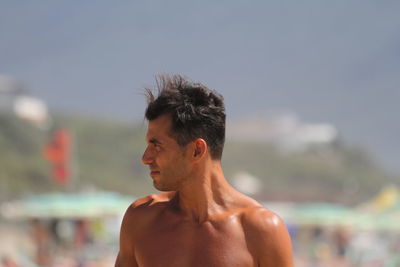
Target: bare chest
x=182, y=243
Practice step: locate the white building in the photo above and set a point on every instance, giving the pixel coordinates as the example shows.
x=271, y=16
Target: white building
x=286, y=131
x=13, y=99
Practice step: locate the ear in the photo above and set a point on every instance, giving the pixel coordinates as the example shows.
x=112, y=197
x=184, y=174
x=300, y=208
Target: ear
x=200, y=148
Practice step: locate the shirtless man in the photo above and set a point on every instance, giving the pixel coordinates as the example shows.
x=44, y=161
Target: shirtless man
x=199, y=220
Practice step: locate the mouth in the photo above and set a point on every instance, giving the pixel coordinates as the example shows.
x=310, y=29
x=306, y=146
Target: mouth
x=152, y=173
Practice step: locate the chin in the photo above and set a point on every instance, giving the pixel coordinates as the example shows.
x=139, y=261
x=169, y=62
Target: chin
x=158, y=186
x=163, y=187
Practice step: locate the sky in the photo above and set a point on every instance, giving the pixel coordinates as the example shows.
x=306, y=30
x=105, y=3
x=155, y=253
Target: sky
x=332, y=62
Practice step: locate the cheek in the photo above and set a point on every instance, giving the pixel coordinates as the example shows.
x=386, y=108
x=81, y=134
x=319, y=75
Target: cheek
x=183, y=166
x=175, y=165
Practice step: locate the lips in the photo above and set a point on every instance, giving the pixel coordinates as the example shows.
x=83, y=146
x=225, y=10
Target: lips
x=154, y=172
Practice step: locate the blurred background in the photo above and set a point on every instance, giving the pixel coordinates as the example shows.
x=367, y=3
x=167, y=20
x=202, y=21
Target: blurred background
x=311, y=91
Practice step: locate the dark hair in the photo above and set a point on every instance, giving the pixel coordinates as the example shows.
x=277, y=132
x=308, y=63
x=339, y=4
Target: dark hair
x=196, y=111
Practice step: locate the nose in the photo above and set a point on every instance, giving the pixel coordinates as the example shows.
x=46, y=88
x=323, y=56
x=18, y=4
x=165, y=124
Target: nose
x=148, y=157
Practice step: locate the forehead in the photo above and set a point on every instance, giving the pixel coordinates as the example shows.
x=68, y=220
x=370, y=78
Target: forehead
x=159, y=127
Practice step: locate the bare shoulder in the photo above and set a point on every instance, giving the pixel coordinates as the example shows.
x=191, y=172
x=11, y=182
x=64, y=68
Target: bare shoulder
x=152, y=199
x=145, y=209
x=258, y=218
x=150, y=203
x=267, y=237
x=136, y=218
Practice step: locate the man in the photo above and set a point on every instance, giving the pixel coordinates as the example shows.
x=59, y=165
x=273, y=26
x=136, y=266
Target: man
x=199, y=220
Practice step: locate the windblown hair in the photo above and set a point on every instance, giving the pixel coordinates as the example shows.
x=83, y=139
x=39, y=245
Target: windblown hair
x=196, y=111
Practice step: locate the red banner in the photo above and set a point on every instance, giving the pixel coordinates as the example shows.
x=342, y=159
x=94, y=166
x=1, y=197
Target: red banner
x=58, y=151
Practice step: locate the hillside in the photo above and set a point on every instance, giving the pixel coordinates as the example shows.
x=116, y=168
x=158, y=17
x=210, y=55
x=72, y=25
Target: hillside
x=107, y=156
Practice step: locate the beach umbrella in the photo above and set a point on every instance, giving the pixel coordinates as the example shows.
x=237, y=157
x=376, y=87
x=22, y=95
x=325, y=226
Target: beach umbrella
x=61, y=205
x=322, y=214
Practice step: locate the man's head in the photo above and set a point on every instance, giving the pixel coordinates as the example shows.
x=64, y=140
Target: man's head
x=195, y=112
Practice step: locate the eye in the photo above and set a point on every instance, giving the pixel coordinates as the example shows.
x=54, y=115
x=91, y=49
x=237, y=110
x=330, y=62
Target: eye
x=157, y=147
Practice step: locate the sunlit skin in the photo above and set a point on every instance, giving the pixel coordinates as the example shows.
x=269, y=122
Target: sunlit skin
x=200, y=220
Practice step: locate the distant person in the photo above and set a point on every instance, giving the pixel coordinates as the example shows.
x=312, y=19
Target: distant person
x=199, y=220
x=7, y=261
x=41, y=238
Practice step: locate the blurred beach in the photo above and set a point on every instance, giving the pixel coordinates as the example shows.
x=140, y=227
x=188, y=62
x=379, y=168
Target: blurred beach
x=311, y=92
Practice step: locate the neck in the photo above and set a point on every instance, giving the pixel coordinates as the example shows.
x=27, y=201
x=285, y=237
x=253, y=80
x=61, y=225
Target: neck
x=205, y=194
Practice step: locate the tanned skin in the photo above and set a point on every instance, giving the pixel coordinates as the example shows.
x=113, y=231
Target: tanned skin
x=200, y=220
